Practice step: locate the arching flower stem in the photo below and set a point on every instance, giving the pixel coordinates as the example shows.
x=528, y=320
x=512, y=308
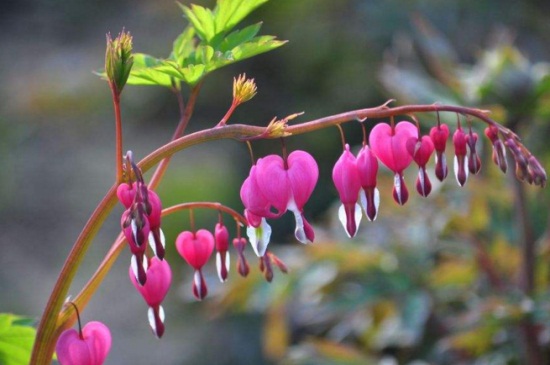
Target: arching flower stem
x=54, y=319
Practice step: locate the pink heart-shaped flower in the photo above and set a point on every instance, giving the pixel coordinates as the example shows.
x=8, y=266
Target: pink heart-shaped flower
x=390, y=145
x=195, y=248
x=91, y=349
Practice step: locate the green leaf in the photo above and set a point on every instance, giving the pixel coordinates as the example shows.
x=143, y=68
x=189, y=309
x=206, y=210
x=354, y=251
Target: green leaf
x=184, y=45
x=16, y=339
x=255, y=47
x=146, y=72
x=239, y=37
x=229, y=13
x=202, y=20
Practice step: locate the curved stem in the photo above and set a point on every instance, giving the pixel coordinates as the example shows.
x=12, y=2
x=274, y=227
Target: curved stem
x=52, y=324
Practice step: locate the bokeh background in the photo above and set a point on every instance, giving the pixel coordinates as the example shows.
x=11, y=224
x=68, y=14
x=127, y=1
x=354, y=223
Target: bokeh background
x=435, y=282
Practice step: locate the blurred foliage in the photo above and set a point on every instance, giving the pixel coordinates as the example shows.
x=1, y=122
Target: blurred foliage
x=16, y=339
x=448, y=291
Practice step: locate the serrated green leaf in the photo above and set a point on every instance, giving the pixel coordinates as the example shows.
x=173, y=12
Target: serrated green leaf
x=184, y=45
x=229, y=13
x=16, y=340
x=146, y=72
x=204, y=54
x=255, y=47
x=202, y=20
x=239, y=37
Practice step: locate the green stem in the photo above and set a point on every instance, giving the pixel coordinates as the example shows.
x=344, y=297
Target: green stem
x=53, y=322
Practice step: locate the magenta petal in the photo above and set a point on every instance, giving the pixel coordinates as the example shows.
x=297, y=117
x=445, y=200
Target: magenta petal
x=195, y=248
x=126, y=194
x=302, y=175
x=71, y=350
x=367, y=167
x=390, y=145
x=272, y=180
x=98, y=338
x=253, y=199
x=346, y=177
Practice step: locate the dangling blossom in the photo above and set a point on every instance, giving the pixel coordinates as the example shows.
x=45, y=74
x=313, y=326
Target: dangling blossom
x=499, y=152
x=367, y=169
x=474, y=161
x=389, y=144
x=89, y=346
x=274, y=186
x=135, y=227
x=421, y=150
x=196, y=248
x=221, y=237
x=439, y=135
x=242, y=265
x=159, y=278
x=346, y=179
x=127, y=194
x=459, y=142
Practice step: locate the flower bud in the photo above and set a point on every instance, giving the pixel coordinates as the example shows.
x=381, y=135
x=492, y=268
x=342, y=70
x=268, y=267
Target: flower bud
x=118, y=60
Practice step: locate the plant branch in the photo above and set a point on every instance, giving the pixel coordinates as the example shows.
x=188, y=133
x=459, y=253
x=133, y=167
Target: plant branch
x=50, y=326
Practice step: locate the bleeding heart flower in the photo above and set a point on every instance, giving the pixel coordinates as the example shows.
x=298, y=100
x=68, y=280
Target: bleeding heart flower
x=196, y=248
x=459, y=142
x=421, y=150
x=367, y=168
x=439, y=135
x=474, y=162
x=346, y=180
x=89, y=347
x=389, y=144
x=221, y=237
x=275, y=186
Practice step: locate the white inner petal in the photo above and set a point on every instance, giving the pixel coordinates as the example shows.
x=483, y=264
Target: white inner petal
x=134, y=230
x=162, y=238
x=219, y=266
x=376, y=201
x=152, y=243
x=397, y=185
x=363, y=199
x=133, y=265
x=259, y=237
x=344, y=219
x=151, y=318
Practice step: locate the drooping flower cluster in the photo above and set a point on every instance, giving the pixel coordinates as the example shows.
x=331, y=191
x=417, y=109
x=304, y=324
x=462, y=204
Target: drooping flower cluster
x=274, y=186
x=396, y=146
x=140, y=224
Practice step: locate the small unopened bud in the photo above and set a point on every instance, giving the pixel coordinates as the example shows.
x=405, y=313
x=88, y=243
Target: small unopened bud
x=522, y=171
x=242, y=265
x=499, y=152
x=118, y=60
x=537, y=171
x=243, y=89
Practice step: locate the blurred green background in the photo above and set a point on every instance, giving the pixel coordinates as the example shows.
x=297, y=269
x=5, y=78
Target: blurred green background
x=435, y=282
